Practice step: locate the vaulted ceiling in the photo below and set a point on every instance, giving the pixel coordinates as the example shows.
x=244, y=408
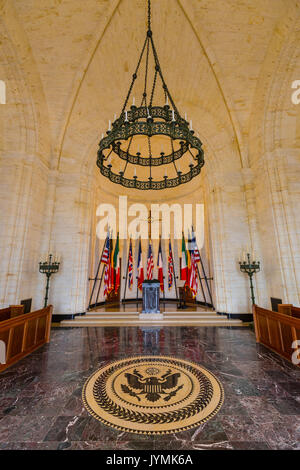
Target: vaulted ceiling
x=78, y=57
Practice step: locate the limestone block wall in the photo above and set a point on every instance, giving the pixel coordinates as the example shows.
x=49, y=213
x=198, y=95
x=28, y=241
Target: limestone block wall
x=237, y=81
x=70, y=237
x=278, y=223
x=229, y=229
x=23, y=195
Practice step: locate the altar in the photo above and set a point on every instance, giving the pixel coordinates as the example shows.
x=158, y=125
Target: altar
x=151, y=308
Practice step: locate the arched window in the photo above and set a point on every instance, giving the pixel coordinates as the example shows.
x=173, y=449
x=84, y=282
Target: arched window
x=2, y=92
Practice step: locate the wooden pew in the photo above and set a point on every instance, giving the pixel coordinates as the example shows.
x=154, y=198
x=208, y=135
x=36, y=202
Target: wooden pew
x=21, y=334
x=277, y=331
x=289, y=309
x=11, y=312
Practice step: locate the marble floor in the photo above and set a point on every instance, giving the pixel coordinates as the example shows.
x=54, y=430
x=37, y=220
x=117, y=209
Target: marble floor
x=40, y=397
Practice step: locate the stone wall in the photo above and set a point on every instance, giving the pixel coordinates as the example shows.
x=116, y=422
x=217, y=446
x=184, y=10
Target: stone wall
x=67, y=72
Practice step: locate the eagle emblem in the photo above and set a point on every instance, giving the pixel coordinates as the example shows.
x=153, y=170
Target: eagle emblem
x=152, y=387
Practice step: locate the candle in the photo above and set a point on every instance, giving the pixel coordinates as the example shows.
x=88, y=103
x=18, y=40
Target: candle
x=109, y=125
x=115, y=117
x=185, y=116
x=165, y=172
x=191, y=125
x=133, y=101
x=167, y=100
x=173, y=115
x=102, y=135
x=162, y=149
x=134, y=171
x=126, y=116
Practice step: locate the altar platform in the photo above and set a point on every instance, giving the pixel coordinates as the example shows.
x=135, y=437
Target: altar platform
x=128, y=314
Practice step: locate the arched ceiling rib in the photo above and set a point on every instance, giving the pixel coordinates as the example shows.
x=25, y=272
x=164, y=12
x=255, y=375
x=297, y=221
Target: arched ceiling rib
x=186, y=68
x=25, y=97
x=85, y=53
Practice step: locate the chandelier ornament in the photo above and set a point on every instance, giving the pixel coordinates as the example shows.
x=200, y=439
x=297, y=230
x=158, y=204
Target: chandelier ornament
x=181, y=152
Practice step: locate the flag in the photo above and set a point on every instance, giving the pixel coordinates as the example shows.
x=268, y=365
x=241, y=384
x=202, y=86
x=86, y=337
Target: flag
x=193, y=283
x=170, y=267
x=130, y=266
x=150, y=263
x=116, y=264
x=160, y=267
x=105, y=254
x=111, y=268
x=140, y=267
x=107, y=268
x=185, y=261
x=194, y=247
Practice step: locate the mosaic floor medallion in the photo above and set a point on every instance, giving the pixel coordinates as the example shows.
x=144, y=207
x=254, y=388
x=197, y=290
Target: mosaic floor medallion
x=152, y=395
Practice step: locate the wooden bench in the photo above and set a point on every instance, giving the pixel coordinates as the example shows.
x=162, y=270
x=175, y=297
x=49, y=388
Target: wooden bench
x=277, y=331
x=21, y=334
x=289, y=309
x=11, y=312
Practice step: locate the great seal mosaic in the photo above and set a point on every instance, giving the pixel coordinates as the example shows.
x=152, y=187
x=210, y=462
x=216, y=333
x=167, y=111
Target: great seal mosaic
x=152, y=394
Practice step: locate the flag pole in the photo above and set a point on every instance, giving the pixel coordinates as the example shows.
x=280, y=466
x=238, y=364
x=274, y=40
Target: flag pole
x=100, y=284
x=164, y=295
x=126, y=277
x=203, y=293
x=206, y=281
x=137, y=287
x=137, y=279
x=174, y=274
x=204, y=277
x=97, y=272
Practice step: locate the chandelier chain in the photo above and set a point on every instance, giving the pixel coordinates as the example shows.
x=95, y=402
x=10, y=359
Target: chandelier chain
x=149, y=15
x=153, y=88
x=134, y=76
x=150, y=121
x=172, y=146
x=150, y=159
x=165, y=87
x=146, y=75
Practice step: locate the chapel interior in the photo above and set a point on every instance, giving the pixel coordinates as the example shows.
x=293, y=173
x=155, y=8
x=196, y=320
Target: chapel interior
x=96, y=293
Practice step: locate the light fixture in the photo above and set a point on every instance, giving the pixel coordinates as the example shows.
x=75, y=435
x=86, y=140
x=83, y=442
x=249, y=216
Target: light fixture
x=159, y=126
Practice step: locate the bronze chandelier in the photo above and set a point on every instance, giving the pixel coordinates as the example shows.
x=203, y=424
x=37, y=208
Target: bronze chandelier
x=151, y=122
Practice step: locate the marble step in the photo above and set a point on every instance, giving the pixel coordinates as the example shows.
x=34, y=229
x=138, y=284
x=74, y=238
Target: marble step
x=136, y=316
x=175, y=313
x=215, y=321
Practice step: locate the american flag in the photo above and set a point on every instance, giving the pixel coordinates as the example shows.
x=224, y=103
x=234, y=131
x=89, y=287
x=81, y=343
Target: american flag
x=107, y=268
x=130, y=266
x=106, y=280
x=170, y=267
x=160, y=268
x=105, y=254
x=150, y=263
x=111, y=267
x=194, y=247
x=140, y=268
